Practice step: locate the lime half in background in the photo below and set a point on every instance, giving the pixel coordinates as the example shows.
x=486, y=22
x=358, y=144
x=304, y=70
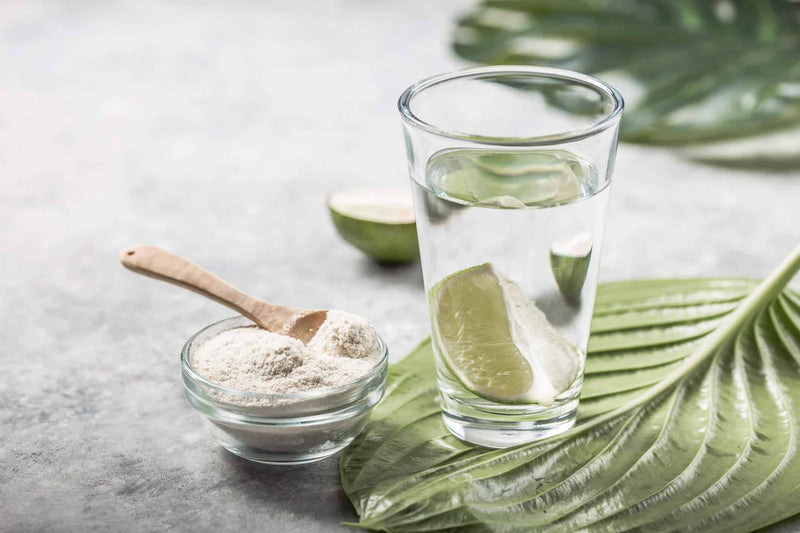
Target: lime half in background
x=379, y=222
x=569, y=260
x=496, y=341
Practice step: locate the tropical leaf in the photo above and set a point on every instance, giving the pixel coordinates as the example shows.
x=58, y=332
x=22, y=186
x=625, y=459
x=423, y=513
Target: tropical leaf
x=691, y=71
x=689, y=420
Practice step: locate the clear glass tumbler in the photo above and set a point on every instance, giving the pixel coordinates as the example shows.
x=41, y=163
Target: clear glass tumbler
x=510, y=169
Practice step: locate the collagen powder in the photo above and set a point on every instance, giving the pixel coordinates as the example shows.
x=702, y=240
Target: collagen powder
x=252, y=359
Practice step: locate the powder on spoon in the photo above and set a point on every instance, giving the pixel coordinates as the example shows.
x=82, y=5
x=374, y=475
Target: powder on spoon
x=252, y=359
x=344, y=335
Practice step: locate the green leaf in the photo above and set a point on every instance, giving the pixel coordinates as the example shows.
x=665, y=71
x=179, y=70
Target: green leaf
x=692, y=72
x=689, y=420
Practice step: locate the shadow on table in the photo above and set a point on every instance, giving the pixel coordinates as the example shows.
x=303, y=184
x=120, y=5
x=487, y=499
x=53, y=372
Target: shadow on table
x=777, y=166
x=409, y=274
x=308, y=491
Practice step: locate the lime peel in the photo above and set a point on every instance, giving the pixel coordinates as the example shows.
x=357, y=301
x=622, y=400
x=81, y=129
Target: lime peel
x=379, y=222
x=569, y=261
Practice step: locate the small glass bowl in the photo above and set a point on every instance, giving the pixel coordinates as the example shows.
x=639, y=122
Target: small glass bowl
x=274, y=428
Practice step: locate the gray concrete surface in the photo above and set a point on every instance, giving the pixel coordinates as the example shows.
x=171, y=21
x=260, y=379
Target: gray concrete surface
x=216, y=129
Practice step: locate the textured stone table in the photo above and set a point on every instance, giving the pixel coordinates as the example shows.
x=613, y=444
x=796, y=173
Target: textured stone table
x=216, y=129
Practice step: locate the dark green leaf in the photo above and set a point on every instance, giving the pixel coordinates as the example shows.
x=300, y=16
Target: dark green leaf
x=692, y=72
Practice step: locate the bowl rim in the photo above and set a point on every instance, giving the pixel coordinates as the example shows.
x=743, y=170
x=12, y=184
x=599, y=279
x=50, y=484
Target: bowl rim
x=281, y=397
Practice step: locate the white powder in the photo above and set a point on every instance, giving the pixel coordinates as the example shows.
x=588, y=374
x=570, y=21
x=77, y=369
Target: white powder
x=344, y=335
x=252, y=359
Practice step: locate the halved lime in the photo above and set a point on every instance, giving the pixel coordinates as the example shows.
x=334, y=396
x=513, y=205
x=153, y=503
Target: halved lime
x=496, y=341
x=379, y=222
x=569, y=259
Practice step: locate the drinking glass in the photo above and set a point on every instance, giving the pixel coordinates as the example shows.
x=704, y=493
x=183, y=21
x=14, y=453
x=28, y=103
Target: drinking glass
x=510, y=169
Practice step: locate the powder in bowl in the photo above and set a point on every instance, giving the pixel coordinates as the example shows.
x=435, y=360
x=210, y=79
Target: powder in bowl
x=252, y=418
x=251, y=359
x=344, y=335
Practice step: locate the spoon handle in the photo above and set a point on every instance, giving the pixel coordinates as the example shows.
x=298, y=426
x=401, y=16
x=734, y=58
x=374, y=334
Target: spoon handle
x=160, y=264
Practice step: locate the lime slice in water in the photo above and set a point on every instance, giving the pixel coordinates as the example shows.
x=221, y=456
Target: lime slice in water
x=379, y=222
x=569, y=259
x=496, y=341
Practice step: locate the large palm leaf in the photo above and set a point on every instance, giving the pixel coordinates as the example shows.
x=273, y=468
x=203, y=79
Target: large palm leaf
x=700, y=73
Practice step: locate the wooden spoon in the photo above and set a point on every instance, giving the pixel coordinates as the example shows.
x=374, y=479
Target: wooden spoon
x=156, y=263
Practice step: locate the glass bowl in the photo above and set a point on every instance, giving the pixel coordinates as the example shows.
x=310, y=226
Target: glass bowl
x=275, y=428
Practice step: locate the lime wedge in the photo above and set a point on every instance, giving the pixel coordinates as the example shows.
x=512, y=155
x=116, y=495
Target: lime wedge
x=569, y=260
x=496, y=341
x=379, y=222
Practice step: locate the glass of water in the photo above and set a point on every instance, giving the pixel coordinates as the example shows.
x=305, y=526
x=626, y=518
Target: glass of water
x=510, y=169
